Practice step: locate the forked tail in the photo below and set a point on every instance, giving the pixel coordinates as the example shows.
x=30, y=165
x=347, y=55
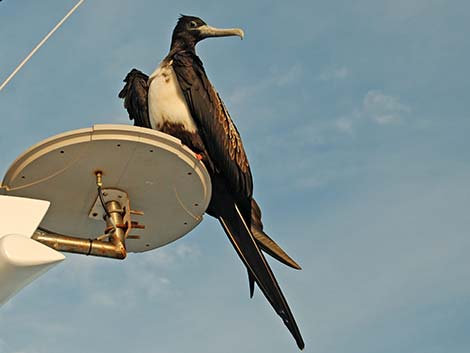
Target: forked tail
x=245, y=244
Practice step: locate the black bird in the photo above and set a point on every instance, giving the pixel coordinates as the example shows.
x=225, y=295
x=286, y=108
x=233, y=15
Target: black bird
x=178, y=99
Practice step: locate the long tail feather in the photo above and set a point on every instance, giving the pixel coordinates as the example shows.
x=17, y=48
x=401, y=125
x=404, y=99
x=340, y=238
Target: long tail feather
x=265, y=242
x=270, y=247
x=246, y=247
x=251, y=281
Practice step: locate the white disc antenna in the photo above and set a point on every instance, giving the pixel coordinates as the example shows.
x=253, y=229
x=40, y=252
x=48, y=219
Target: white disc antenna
x=113, y=189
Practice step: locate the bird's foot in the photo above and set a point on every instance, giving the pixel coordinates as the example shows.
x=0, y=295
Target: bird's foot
x=199, y=156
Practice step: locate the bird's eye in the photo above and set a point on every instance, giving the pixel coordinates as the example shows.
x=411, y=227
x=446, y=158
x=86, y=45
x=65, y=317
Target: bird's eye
x=193, y=24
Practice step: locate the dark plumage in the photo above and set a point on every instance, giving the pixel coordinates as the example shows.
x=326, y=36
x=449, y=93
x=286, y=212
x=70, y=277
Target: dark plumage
x=135, y=97
x=202, y=122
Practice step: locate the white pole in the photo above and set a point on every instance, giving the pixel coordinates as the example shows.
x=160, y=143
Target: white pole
x=40, y=45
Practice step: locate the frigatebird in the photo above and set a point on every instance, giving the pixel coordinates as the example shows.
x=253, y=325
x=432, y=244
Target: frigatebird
x=178, y=99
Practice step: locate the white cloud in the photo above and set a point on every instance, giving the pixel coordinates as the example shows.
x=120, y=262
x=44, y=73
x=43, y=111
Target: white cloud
x=291, y=76
x=376, y=107
x=184, y=250
x=339, y=73
x=384, y=109
x=151, y=283
x=276, y=78
x=344, y=124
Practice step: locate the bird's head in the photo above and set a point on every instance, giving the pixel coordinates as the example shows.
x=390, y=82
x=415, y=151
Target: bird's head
x=190, y=30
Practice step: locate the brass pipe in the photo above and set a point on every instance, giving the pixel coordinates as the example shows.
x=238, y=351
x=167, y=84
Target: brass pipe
x=113, y=248
x=115, y=218
x=80, y=246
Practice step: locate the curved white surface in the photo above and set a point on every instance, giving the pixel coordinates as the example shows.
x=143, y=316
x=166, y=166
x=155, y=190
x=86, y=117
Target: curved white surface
x=21, y=215
x=22, y=259
x=162, y=178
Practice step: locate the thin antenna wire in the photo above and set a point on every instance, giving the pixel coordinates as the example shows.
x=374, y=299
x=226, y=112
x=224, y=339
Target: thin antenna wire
x=40, y=44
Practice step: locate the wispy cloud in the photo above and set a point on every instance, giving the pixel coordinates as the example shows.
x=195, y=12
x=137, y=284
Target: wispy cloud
x=384, y=109
x=153, y=279
x=339, y=73
x=344, y=124
x=377, y=108
x=292, y=75
x=149, y=274
x=278, y=78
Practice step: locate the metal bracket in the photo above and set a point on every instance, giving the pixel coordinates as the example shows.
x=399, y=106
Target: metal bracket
x=97, y=211
x=118, y=225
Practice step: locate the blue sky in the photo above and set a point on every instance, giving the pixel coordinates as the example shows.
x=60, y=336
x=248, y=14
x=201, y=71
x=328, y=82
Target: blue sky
x=355, y=117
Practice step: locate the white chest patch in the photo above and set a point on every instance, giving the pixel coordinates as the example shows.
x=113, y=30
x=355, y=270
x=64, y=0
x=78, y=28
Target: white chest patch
x=166, y=101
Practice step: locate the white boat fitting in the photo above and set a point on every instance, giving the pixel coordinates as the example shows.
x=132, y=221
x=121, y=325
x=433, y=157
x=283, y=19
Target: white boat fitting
x=22, y=259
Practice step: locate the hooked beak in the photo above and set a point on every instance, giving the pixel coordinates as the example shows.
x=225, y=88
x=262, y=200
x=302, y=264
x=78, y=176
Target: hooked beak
x=208, y=31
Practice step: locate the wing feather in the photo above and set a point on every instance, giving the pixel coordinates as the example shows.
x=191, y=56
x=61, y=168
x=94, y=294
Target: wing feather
x=135, y=95
x=217, y=129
